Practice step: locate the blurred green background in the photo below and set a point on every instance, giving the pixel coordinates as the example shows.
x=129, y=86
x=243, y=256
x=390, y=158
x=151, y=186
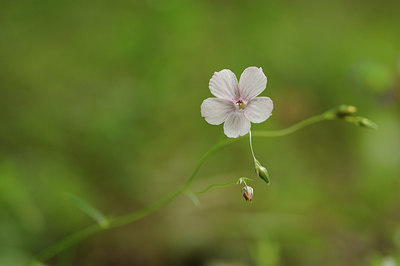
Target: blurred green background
x=101, y=99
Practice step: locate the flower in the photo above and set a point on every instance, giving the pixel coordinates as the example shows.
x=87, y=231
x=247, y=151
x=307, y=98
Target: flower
x=236, y=103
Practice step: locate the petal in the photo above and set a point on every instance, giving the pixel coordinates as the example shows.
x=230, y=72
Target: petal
x=224, y=85
x=259, y=109
x=236, y=125
x=252, y=83
x=216, y=110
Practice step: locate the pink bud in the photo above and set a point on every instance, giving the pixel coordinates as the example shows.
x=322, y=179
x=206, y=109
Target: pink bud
x=247, y=192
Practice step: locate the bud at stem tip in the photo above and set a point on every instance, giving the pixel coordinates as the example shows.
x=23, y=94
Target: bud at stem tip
x=261, y=171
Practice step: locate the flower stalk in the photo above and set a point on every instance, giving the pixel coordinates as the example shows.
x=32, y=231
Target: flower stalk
x=261, y=171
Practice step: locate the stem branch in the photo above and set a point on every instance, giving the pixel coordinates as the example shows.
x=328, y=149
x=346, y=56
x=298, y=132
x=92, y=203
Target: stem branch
x=79, y=236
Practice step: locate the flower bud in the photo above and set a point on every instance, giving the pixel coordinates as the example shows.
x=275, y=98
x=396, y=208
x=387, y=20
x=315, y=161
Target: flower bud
x=261, y=171
x=365, y=122
x=361, y=121
x=344, y=110
x=340, y=111
x=247, y=192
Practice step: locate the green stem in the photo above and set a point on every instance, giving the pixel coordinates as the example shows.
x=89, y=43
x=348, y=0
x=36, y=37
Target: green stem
x=251, y=147
x=291, y=129
x=215, y=185
x=215, y=148
x=77, y=237
x=65, y=243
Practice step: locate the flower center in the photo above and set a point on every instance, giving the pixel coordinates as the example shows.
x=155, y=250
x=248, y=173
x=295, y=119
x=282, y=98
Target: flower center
x=240, y=105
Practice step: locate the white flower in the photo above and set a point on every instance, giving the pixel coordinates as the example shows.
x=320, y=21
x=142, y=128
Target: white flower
x=237, y=103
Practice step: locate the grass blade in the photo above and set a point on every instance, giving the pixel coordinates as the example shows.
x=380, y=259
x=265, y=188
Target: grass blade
x=88, y=209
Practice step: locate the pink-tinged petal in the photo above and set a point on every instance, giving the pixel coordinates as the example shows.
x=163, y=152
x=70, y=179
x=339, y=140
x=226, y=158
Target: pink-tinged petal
x=216, y=110
x=252, y=83
x=224, y=85
x=236, y=125
x=259, y=109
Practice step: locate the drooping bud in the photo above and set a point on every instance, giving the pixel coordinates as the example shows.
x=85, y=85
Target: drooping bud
x=261, y=171
x=247, y=192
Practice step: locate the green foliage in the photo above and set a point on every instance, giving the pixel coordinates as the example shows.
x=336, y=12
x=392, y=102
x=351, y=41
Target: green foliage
x=102, y=99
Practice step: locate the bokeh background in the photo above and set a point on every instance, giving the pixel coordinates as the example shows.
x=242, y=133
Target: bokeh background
x=101, y=99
